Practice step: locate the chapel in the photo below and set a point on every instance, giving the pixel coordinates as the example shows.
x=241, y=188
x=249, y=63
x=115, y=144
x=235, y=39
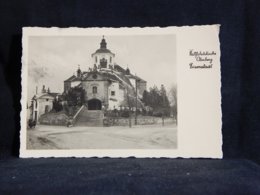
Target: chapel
x=107, y=85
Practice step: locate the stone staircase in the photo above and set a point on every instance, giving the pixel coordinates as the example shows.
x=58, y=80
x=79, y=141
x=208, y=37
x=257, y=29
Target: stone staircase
x=91, y=118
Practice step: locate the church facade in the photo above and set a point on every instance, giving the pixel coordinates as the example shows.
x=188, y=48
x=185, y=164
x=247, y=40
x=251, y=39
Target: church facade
x=107, y=85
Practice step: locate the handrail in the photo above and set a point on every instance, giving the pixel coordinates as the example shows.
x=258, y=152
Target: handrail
x=77, y=113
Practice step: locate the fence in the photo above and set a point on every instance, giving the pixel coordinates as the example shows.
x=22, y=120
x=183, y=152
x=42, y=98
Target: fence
x=121, y=121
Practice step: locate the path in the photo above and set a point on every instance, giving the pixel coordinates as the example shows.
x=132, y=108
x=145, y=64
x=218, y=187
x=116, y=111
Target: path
x=137, y=137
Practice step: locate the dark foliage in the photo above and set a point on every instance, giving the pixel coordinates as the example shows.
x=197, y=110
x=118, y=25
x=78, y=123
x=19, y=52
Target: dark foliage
x=57, y=106
x=75, y=96
x=157, y=100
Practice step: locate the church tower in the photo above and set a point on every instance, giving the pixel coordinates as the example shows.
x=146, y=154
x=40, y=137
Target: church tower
x=103, y=57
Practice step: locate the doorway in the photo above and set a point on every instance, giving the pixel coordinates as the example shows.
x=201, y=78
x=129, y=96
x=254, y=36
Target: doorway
x=94, y=104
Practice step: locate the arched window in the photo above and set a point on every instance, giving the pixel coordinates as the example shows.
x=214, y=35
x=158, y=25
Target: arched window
x=94, y=89
x=96, y=59
x=110, y=59
x=103, y=63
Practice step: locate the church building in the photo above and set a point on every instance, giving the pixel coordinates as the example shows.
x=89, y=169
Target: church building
x=108, y=85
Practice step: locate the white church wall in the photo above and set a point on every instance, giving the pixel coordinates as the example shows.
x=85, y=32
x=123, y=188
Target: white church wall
x=113, y=104
x=141, y=89
x=75, y=83
x=115, y=96
x=42, y=103
x=101, y=90
x=132, y=81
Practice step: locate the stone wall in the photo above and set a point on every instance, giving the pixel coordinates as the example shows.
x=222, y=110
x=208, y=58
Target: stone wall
x=141, y=120
x=59, y=118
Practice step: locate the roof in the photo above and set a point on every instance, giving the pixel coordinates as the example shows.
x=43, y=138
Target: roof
x=102, y=75
x=123, y=77
x=130, y=76
x=70, y=78
x=103, y=47
x=73, y=78
x=118, y=74
x=124, y=71
x=103, y=50
x=109, y=76
x=139, y=79
x=119, y=68
x=54, y=95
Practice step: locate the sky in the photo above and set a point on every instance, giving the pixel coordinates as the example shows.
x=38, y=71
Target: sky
x=53, y=59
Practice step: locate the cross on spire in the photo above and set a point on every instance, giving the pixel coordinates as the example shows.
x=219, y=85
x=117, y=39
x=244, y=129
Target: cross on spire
x=103, y=44
x=78, y=71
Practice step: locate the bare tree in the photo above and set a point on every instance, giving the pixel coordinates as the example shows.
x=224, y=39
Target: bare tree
x=129, y=103
x=173, y=100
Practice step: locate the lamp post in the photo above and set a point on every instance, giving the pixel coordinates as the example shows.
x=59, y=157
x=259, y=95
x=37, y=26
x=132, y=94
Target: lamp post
x=129, y=111
x=163, y=108
x=136, y=85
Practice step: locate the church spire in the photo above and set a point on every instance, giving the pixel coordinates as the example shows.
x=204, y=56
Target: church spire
x=78, y=71
x=103, y=44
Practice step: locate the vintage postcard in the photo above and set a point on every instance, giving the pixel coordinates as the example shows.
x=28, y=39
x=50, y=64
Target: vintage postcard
x=121, y=92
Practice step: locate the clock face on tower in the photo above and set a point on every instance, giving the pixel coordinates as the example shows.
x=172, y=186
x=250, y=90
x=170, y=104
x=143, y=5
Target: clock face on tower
x=94, y=76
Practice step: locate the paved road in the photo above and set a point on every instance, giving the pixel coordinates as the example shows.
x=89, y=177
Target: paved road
x=137, y=137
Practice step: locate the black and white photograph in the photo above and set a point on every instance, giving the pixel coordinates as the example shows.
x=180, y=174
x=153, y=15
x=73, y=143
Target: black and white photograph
x=120, y=92
x=102, y=92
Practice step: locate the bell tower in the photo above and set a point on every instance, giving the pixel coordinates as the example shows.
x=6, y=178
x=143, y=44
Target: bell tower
x=103, y=44
x=103, y=57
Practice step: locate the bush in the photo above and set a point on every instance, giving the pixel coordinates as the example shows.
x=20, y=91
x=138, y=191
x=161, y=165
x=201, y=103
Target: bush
x=124, y=113
x=57, y=106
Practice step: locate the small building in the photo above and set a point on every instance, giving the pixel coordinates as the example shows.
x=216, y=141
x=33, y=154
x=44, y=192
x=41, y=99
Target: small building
x=42, y=103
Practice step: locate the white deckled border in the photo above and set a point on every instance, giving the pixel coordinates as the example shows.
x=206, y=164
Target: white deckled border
x=199, y=97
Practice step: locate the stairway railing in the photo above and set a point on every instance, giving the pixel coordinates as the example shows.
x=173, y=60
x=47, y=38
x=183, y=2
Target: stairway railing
x=77, y=113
